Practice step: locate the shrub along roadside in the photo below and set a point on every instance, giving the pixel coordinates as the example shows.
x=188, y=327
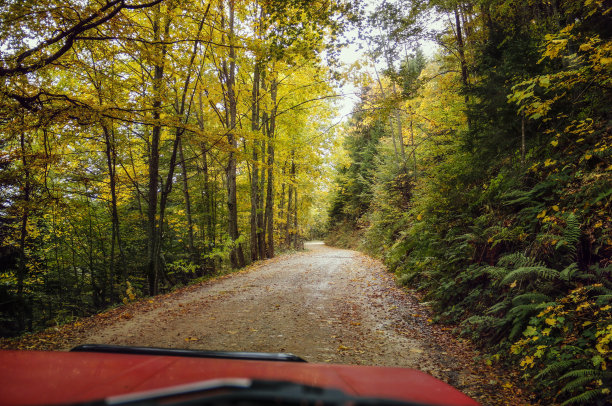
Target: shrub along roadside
x=506, y=226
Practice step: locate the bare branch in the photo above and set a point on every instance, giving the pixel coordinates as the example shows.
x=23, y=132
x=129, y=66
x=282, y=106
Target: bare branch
x=68, y=37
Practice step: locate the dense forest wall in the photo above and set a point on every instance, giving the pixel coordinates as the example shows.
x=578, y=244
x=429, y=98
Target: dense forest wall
x=483, y=177
x=146, y=144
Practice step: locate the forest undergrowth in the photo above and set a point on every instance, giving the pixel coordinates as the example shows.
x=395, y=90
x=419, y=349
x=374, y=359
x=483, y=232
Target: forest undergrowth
x=483, y=179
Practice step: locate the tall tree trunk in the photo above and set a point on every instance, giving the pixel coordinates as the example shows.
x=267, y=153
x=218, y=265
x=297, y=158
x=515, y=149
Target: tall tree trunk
x=115, y=238
x=462, y=60
x=139, y=194
x=296, y=234
x=180, y=110
x=22, y=269
x=183, y=113
x=281, y=202
x=209, y=219
x=382, y=92
x=261, y=119
x=466, y=9
x=90, y=245
x=237, y=254
x=398, y=118
x=288, y=216
x=166, y=189
x=261, y=223
x=191, y=245
x=269, y=215
x=255, y=192
x=290, y=203
x=207, y=193
x=461, y=47
x=152, y=230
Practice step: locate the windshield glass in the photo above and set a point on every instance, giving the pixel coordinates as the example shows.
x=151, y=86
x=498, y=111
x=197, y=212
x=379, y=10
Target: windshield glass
x=410, y=184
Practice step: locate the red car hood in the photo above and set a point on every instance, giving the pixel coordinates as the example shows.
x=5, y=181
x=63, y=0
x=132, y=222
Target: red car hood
x=34, y=377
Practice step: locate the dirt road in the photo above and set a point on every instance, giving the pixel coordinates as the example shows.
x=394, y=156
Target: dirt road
x=325, y=305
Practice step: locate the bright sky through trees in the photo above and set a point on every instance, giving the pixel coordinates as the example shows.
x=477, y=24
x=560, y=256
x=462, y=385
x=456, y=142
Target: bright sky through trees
x=358, y=50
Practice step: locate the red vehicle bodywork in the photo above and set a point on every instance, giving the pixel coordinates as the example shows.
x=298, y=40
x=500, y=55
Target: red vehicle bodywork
x=35, y=377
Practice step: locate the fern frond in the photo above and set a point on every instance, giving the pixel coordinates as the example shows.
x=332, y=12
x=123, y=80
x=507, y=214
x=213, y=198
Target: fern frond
x=571, y=234
x=568, y=273
x=517, y=329
x=520, y=315
x=604, y=299
x=531, y=272
x=578, y=383
x=517, y=260
x=603, y=271
x=583, y=373
x=523, y=310
x=585, y=398
x=486, y=321
x=557, y=367
x=516, y=197
x=496, y=272
x=530, y=297
x=498, y=307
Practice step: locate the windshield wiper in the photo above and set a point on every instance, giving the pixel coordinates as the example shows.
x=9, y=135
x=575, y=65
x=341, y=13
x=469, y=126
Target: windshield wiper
x=249, y=356
x=245, y=392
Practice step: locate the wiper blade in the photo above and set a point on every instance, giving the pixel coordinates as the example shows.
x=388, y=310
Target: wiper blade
x=248, y=356
x=179, y=391
x=247, y=392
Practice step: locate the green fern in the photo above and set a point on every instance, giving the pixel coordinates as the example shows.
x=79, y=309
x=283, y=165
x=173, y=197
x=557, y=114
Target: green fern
x=517, y=260
x=571, y=235
x=557, y=367
x=574, y=384
x=584, y=373
x=568, y=273
x=604, y=299
x=530, y=272
x=530, y=297
x=517, y=328
x=585, y=398
x=496, y=272
x=519, y=317
x=605, y=276
x=499, y=306
x=482, y=321
x=580, y=378
x=518, y=197
x=523, y=310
